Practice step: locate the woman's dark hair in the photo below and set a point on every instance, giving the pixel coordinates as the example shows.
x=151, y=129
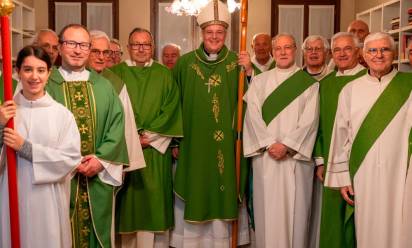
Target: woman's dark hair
x=35, y=51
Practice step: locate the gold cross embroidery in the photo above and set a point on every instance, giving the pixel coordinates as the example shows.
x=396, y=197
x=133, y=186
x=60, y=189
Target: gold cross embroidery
x=78, y=96
x=84, y=197
x=213, y=81
x=83, y=129
x=218, y=135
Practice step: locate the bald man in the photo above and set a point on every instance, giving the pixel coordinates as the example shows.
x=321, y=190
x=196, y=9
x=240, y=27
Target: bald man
x=48, y=40
x=262, y=59
x=359, y=28
x=170, y=55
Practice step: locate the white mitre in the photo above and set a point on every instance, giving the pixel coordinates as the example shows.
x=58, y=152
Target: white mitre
x=215, y=12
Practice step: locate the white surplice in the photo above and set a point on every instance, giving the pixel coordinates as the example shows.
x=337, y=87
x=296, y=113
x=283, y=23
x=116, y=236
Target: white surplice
x=282, y=190
x=44, y=184
x=379, y=183
x=314, y=228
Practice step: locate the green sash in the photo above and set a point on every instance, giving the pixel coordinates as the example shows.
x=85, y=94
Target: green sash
x=258, y=71
x=378, y=118
x=283, y=95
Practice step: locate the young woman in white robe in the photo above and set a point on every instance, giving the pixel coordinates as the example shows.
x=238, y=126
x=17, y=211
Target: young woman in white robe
x=47, y=143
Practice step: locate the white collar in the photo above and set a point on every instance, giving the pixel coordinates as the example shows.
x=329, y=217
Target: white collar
x=74, y=75
x=133, y=63
x=351, y=71
x=43, y=101
x=385, y=78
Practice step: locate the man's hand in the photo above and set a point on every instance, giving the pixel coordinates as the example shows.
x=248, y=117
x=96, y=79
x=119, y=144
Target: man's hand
x=144, y=140
x=7, y=111
x=347, y=193
x=319, y=172
x=278, y=151
x=175, y=152
x=244, y=60
x=89, y=166
x=12, y=139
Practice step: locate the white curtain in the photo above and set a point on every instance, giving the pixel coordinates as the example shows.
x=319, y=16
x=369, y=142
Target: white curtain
x=100, y=17
x=291, y=21
x=321, y=20
x=67, y=13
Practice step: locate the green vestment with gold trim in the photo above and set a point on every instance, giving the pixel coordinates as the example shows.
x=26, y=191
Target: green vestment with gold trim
x=205, y=176
x=145, y=202
x=99, y=116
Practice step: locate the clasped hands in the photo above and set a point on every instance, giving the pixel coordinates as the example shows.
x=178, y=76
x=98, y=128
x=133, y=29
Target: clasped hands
x=278, y=151
x=89, y=166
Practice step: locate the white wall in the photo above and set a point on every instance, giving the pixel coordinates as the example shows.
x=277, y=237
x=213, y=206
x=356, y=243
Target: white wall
x=133, y=13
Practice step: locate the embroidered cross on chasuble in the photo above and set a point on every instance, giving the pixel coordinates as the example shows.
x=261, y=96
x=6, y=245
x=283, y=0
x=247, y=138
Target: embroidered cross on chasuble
x=79, y=99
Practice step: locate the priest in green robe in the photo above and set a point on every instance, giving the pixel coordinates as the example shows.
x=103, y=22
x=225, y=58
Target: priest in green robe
x=100, y=119
x=144, y=212
x=205, y=181
x=328, y=205
x=99, y=54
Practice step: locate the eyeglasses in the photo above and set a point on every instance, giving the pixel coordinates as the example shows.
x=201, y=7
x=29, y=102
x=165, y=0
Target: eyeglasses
x=117, y=53
x=374, y=51
x=314, y=49
x=85, y=46
x=97, y=52
x=136, y=46
x=346, y=49
x=48, y=46
x=286, y=48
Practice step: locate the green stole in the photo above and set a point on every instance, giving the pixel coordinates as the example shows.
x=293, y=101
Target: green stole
x=284, y=94
x=205, y=176
x=379, y=117
x=258, y=71
x=99, y=117
x=333, y=205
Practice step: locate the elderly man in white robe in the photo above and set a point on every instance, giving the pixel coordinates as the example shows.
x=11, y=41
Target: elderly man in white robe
x=369, y=150
x=279, y=133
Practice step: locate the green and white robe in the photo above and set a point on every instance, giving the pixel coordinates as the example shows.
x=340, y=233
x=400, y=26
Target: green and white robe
x=258, y=68
x=205, y=181
x=380, y=176
x=325, y=200
x=282, y=190
x=145, y=202
x=100, y=119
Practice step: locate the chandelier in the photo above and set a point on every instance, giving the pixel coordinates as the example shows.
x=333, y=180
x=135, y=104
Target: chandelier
x=193, y=7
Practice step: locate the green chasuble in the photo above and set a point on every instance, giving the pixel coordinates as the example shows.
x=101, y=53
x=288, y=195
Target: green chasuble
x=145, y=202
x=99, y=116
x=205, y=176
x=333, y=205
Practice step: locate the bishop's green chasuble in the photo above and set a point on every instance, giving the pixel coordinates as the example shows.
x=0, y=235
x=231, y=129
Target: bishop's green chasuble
x=333, y=205
x=205, y=175
x=99, y=117
x=145, y=202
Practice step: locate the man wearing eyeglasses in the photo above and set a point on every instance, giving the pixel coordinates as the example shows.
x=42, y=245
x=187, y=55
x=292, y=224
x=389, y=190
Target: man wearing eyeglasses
x=279, y=133
x=328, y=206
x=99, y=53
x=315, y=53
x=48, y=40
x=100, y=119
x=370, y=151
x=145, y=202
x=117, y=53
